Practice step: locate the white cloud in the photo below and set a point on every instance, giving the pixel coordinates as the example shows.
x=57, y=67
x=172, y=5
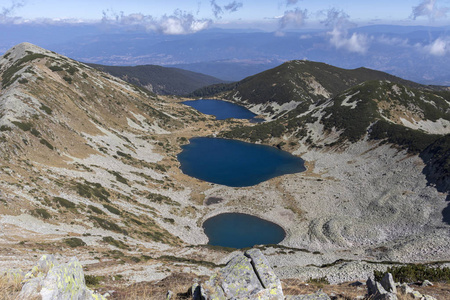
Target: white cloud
x=293, y=17
x=440, y=47
x=177, y=23
x=357, y=42
x=339, y=35
x=428, y=8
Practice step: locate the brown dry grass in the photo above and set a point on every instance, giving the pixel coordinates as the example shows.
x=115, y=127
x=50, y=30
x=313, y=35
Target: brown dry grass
x=9, y=287
x=178, y=283
x=344, y=291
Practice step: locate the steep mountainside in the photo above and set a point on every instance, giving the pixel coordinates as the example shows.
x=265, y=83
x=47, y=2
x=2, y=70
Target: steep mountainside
x=408, y=117
x=281, y=89
x=87, y=159
x=161, y=80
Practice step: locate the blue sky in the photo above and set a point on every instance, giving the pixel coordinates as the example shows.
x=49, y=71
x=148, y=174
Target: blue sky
x=201, y=14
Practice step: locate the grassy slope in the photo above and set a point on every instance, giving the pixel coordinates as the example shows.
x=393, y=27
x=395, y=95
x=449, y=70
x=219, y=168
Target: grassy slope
x=164, y=81
x=289, y=81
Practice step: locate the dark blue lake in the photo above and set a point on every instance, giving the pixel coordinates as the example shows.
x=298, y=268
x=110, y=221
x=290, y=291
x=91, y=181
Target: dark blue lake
x=221, y=109
x=241, y=231
x=235, y=163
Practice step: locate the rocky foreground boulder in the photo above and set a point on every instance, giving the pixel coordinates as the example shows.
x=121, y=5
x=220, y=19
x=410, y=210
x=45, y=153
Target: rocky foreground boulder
x=387, y=289
x=247, y=276
x=51, y=280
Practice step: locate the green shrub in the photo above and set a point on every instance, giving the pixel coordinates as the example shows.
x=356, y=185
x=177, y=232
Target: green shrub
x=91, y=189
x=64, y=202
x=96, y=209
x=35, y=132
x=68, y=79
x=23, y=80
x=46, y=143
x=74, y=242
x=105, y=224
x=41, y=212
x=92, y=280
x=120, y=153
x=112, y=209
x=5, y=128
x=55, y=68
x=23, y=126
x=119, y=177
x=47, y=109
x=320, y=280
x=116, y=243
x=414, y=273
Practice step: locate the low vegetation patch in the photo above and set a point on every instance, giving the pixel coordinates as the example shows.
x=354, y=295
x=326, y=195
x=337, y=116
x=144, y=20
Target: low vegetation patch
x=112, y=209
x=105, y=224
x=93, y=280
x=116, y=243
x=161, y=199
x=68, y=79
x=74, y=242
x=24, y=126
x=41, y=213
x=91, y=190
x=119, y=177
x=46, y=143
x=190, y=261
x=414, y=273
x=64, y=202
x=96, y=210
x=46, y=109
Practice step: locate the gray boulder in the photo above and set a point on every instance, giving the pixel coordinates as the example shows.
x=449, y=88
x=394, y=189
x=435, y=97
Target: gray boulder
x=264, y=272
x=388, y=283
x=376, y=291
x=246, y=276
x=427, y=283
x=49, y=280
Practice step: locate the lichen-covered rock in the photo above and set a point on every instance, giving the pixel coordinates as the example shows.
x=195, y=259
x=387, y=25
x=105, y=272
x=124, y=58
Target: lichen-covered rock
x=265, y=273
x=246, y=276
x=45, y=263
x=237, y=280
x=405, y=289
x=49, y=280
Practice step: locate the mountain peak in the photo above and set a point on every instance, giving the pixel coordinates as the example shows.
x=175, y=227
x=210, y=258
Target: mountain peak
x=23, y=49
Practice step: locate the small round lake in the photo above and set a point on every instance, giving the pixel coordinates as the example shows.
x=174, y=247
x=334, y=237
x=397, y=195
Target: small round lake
x=221, y=109
x=235, y=163
x=241, y=230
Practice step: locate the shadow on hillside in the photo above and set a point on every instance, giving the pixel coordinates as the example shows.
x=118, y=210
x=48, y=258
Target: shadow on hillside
x=446, y=212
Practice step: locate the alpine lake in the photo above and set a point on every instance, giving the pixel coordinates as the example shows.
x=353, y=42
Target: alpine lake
x=236, y=164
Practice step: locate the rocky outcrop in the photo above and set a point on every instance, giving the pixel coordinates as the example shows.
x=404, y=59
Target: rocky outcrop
x=247, y=276
x=50, y=280
x=388, y=289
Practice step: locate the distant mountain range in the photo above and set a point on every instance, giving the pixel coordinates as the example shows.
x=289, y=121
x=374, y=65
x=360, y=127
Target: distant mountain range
x=161, y=80
x=411, y=52
x=280, y=89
